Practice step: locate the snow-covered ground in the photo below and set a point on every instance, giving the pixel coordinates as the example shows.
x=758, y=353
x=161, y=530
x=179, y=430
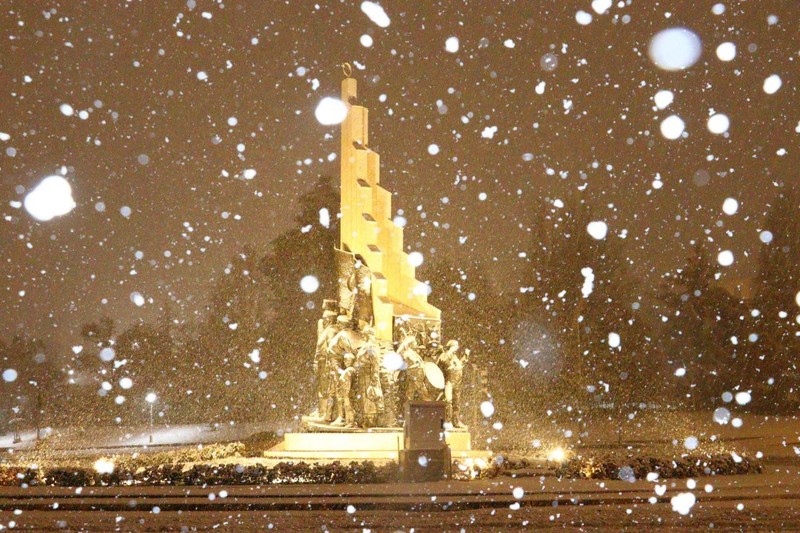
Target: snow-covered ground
x=652, y=431
x=105, y=438
x=765, y=502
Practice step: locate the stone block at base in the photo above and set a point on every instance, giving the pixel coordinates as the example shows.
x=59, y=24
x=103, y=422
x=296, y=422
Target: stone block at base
x=319, y=442
x=361, y=446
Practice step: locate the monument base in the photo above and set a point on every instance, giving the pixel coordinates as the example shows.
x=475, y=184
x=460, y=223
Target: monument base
x=379, y=445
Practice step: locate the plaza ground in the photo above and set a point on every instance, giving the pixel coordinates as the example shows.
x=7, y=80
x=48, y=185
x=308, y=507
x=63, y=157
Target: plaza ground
x=769, y=501
x=649, y=432
x=766, y=501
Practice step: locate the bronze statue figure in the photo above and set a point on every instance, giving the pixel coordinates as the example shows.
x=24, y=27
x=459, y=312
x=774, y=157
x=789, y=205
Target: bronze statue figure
x=415, y=374
x=453, y=368
x=327, y=328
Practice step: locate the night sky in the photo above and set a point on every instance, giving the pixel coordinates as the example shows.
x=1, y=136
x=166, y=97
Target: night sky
x=157, y=138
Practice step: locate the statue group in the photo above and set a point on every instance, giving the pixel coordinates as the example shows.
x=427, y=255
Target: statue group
x=363, y=381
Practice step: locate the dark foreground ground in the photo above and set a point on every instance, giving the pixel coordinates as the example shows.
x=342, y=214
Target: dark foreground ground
x=769, y=501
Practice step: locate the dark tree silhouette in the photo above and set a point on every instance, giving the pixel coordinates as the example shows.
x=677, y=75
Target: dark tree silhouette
x=577, y=303
x=305, y=250
x=775, y=375
x=701, y=318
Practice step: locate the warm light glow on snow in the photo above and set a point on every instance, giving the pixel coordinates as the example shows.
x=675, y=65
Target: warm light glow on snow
x=557, y=454
x=104, y=466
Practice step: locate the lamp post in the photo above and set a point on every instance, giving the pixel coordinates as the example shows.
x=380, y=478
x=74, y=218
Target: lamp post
x=151, y=399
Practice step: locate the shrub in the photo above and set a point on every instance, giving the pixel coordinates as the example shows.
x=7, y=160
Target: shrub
x=692, y=465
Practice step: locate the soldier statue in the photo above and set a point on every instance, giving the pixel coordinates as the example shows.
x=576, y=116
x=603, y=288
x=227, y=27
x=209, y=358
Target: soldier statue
x=452, y=367
x=344, y=342
x=416, y=388
x=368, y=365
x=326, y=329
x=344, y=385
x=360, y=284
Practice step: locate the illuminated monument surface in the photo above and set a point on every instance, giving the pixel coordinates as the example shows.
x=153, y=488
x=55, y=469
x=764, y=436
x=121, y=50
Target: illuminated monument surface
x=379, y=346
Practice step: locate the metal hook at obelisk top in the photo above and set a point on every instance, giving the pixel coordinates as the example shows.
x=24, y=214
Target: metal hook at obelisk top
x=347, y=69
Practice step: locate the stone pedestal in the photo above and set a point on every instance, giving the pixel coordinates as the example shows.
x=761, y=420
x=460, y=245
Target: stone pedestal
x=377, y=444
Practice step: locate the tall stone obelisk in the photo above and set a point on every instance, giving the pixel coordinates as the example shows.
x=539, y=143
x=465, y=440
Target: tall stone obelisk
x=368, y=231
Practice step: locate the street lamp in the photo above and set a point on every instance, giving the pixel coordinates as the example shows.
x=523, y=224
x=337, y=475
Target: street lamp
x=151, y=399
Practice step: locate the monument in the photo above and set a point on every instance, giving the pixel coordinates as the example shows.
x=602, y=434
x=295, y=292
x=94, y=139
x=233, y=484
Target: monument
x=379, y=342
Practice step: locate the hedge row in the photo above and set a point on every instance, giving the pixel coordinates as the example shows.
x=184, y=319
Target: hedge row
x=632, y=468
x=230, y=474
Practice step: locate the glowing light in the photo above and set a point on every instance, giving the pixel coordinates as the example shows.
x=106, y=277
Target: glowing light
x=51, y=198
x=330, y=111
x=104, y=466
x=324, y=217
x=772, y=84
x=107, y=354
x=583, y=18
x=722, y=415
x=151, y=397
x=451, y=45
x=726, y=51
x=725, y=258
x=9, y=375
x=433, y=149
x=614, y=340
x=743, y=398
x=588, y=281
x=730, y=206
x=392, y=361
x=309, y=284
x=366, y=41
x=663, y=99
x=597, y=229
x=675, y=49
x=718, y=124
x=126, y=383
x=557, y=454
x=672, y=127
x=487, y=409
x=415, y=259
x=683, y=502
x=601, y=6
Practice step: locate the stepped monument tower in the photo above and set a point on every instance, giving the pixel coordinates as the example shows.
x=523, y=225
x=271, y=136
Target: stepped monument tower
x=379, y=347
